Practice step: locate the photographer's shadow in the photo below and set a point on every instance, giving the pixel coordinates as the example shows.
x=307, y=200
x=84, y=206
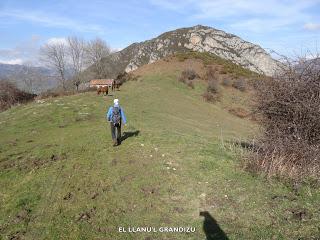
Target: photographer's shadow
x=129, y=134
x=211, y=228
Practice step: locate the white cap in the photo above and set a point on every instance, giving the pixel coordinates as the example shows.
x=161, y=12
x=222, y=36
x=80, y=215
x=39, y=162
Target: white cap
x=116, y=101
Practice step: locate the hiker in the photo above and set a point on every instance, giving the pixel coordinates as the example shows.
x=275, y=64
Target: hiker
x=116, y=116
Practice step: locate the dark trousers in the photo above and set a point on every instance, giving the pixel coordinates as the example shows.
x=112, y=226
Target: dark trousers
x=116, y=132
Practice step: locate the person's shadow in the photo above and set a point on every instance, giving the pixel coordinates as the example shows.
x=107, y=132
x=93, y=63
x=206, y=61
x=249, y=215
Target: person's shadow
x=211, y=228
x=129, y=134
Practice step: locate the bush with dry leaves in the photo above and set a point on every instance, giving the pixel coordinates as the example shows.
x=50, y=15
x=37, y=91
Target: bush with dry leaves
x=10, y=95
x=289, y=105
x=187, y=77
x=212, y=93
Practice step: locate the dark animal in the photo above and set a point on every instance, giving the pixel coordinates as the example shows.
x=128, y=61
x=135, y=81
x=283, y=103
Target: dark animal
x=120, y=79
x=113, y=86
x=117, y=84
x=77, y=83
x=103, y=90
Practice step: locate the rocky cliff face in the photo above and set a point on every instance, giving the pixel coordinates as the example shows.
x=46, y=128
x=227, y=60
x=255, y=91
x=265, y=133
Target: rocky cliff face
x=197, y=38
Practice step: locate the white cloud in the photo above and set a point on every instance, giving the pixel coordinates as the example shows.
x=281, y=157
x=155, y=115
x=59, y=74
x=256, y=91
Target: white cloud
x=52, y=21
x=250, y=15
x=224, y=8
x=12, y=61
x=252, y=8
x=260, y=25
x=26, y=50
x=312, y=26
x=57, y=41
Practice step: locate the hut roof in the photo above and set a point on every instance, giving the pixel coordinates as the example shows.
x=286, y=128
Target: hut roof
x=101, y=81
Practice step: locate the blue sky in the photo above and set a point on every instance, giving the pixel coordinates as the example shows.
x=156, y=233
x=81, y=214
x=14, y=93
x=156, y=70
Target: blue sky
x=290, y=27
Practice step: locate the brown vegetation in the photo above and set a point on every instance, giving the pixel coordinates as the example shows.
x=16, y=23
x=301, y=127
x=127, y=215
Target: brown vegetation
x=10, y=95
x=240, y=84
x=124, y=77
x=212, y=93
x=225, y=66
x=60, y=93
x=290, y=113
x=189, y=74
x=227, y=82
x=187, y=77
x=239, y=112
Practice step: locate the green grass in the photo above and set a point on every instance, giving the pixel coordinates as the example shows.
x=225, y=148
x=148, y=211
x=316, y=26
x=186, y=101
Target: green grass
x=60, y=177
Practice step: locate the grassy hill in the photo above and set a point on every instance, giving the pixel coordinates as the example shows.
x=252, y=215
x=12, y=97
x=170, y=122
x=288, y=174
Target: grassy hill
x=60, y=177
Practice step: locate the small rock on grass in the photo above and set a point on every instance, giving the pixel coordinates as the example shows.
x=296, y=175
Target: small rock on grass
x=202, y=195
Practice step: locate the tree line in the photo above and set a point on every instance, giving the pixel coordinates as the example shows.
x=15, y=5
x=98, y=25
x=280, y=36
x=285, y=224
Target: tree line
x=72, y=56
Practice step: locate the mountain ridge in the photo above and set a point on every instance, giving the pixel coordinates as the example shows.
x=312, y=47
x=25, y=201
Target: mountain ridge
x=197, y=38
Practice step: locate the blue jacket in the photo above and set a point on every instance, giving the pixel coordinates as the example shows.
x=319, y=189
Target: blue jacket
x=109, y=115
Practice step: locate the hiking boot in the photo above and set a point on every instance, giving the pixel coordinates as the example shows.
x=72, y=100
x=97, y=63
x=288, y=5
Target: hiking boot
x=115, y=143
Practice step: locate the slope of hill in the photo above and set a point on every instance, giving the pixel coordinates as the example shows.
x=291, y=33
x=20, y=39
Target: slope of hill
x=230, y=98
x=60, y=178
x=198, y=38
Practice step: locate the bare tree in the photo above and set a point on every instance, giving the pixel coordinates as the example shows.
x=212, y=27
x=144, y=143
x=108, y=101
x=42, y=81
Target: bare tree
x=289, y=113
x=76, y=50
x=96, y=50
x=55, y=54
